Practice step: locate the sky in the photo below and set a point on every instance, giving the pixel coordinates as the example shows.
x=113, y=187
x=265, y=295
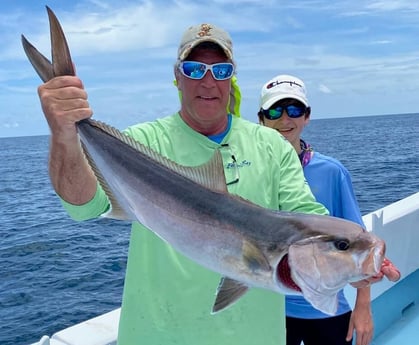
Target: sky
x=357, y=58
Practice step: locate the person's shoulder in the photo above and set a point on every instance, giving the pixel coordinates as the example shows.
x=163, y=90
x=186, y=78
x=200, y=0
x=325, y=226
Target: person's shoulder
x=139, y=129
x=246, y=124
x=331, y=162
x=257, y=131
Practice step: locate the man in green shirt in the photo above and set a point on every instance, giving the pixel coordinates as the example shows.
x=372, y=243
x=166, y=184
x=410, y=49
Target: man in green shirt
x=167, y=298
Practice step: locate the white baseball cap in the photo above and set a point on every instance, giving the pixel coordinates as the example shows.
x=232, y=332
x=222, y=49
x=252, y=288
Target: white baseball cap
x=280, y=87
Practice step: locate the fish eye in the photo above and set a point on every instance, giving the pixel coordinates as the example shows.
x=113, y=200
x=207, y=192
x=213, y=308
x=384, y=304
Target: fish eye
x=341, y=244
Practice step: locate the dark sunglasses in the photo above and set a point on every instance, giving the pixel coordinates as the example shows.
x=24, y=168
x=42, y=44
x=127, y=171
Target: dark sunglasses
x=293, y=111
x=197, y=70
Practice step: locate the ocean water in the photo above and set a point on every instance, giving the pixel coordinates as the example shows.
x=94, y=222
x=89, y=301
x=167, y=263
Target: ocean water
x=55, y=272
x=380, y=152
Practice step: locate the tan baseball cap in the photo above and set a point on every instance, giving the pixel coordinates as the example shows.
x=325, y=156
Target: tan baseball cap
x=197, y=34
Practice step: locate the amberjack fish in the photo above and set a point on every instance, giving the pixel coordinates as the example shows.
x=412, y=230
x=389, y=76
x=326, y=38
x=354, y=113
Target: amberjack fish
x=191, y=209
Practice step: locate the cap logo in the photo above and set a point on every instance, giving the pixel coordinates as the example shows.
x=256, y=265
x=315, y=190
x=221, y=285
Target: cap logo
x=205, y=30
x=276, y=83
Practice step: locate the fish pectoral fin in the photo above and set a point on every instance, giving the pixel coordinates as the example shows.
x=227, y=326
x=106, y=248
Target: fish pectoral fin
x=228, y=292
x=254, y=257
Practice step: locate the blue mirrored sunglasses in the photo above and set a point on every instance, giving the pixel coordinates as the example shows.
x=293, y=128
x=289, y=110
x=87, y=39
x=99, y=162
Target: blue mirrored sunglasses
x=197, y=70
x=293, y=111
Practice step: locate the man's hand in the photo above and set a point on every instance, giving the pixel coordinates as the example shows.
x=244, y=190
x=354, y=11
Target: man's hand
x=64, y=102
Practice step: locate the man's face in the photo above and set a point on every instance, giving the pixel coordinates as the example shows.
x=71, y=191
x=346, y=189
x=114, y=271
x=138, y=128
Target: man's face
x=204, y=101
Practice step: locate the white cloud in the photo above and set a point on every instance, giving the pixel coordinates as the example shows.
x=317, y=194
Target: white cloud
x=125, y=51
x=324, y=89
x=10, y=124
x=382, y=42
x=395, y=5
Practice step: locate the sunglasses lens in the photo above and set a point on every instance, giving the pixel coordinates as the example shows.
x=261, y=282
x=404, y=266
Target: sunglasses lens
x=193, y=70
x=273, y=114
x=294, y=111
x=222, y=71
x=197, y=70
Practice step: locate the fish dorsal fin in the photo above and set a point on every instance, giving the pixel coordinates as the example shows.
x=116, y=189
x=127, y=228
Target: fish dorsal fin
x=210, y=174
x=228, y=292
x=254, y=257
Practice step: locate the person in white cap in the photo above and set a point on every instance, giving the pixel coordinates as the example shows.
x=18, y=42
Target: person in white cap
x=167, y=298
x=284, y=107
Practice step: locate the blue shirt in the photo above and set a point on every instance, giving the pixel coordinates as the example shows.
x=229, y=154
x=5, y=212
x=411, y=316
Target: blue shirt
x=331, y=184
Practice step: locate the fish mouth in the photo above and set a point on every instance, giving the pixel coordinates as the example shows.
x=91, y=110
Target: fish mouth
x=372, y=264
x=283, y=274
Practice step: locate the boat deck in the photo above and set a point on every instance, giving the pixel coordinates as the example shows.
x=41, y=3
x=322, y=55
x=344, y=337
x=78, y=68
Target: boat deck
x=396, y=313
x=396, y=319
x=404, y=331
